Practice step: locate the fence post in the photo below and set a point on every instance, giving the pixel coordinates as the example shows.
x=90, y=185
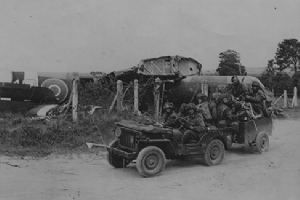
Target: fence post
x=136, y=96
x=204, y=88
x=295, y=98
x=156, y=98
x=75, y=97
x=285, y=99
x=119, y=95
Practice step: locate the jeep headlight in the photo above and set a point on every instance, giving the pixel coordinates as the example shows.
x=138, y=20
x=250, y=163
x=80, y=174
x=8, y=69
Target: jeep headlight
x=118, y=132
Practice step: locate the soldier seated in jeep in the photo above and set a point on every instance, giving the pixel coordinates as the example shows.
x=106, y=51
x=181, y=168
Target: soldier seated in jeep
x=169, y=116
x=192, y=123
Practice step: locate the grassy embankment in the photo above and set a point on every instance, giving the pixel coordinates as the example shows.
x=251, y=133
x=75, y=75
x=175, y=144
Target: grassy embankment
x=20, y=135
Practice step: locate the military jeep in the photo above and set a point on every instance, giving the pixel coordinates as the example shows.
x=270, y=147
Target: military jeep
x=151, y=145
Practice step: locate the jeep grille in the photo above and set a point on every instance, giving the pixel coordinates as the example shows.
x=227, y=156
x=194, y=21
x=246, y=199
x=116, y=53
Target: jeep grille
x=128, y=138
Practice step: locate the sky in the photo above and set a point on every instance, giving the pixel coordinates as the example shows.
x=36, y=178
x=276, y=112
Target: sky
x=108, y=35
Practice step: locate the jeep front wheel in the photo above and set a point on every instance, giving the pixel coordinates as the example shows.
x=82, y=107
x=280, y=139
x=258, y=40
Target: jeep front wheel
x=150, y=161
x=214, y=152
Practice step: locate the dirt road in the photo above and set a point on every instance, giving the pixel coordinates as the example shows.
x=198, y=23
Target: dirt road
x=272, y=175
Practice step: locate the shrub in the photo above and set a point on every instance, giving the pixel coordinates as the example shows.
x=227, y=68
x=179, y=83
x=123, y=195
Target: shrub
x=95, y=94
x=61, y=132
x=281, y=82
x=278, y=82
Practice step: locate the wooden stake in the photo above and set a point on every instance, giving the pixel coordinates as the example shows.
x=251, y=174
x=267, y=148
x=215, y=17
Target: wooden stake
x=162, y=98
x=75, y=97
x=119, y=95
x=205, y=88
x=285, y=99
x=136, y=96
x=295, y=98
x=275, y=102
x=156, y=98
x=113, y=103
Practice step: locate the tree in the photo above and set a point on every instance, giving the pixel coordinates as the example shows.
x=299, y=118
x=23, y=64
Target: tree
x=288, y=54
x=282, y=81
x=268, y=75
x=271, y=67
x=230, y=64
x=276, y=80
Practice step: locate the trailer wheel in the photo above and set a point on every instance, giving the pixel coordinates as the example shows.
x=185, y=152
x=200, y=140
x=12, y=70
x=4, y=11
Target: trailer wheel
x=150, y=161
x=115, y=160
x=261, y=142
x=214, y=152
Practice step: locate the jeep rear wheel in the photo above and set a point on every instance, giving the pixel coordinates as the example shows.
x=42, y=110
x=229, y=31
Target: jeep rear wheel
x=214, y=152
x=261, y=142
x=115, y=160
x=150, y=161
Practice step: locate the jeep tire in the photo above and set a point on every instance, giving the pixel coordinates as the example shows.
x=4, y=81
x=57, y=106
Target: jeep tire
x=150, y=161
x=261, y=142
x=214, y=152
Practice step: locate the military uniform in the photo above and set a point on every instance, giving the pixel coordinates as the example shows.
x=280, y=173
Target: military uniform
x=170, y=119
x=203, y=107
x=195, y=123
x=225, y=114
x=257, y=99
x=213, y=110
x=237, y=89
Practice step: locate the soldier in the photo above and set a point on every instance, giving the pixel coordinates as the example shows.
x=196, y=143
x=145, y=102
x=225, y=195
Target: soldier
x=203, y=107
x=213, y=106
x=224, y=111
x=194, y=123
x=236, y=88
x=170, y=117
x=257, y=100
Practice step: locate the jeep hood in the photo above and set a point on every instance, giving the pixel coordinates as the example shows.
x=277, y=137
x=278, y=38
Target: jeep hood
x=143, y=127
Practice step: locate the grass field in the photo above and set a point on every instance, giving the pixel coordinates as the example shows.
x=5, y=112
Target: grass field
x=21, y=135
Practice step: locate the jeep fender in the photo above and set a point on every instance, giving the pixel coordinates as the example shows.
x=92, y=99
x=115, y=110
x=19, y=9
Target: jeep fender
x=209, y=136
x=164, y=144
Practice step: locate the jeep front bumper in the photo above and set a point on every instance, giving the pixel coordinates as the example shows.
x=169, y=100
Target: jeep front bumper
x=122, y=153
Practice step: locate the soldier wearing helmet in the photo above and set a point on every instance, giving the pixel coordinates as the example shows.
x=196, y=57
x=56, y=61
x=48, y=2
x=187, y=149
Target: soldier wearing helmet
x=194, y=122
x=203, y=107
x=257, y=99
x=236, y=88
x=225, y=114
x=169, y=115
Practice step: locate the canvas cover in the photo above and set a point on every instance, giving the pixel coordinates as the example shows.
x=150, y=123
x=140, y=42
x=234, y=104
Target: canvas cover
x=143, y=127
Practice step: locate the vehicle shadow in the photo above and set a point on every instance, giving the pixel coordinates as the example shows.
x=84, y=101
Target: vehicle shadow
x=187, y=162
x=241, y=150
